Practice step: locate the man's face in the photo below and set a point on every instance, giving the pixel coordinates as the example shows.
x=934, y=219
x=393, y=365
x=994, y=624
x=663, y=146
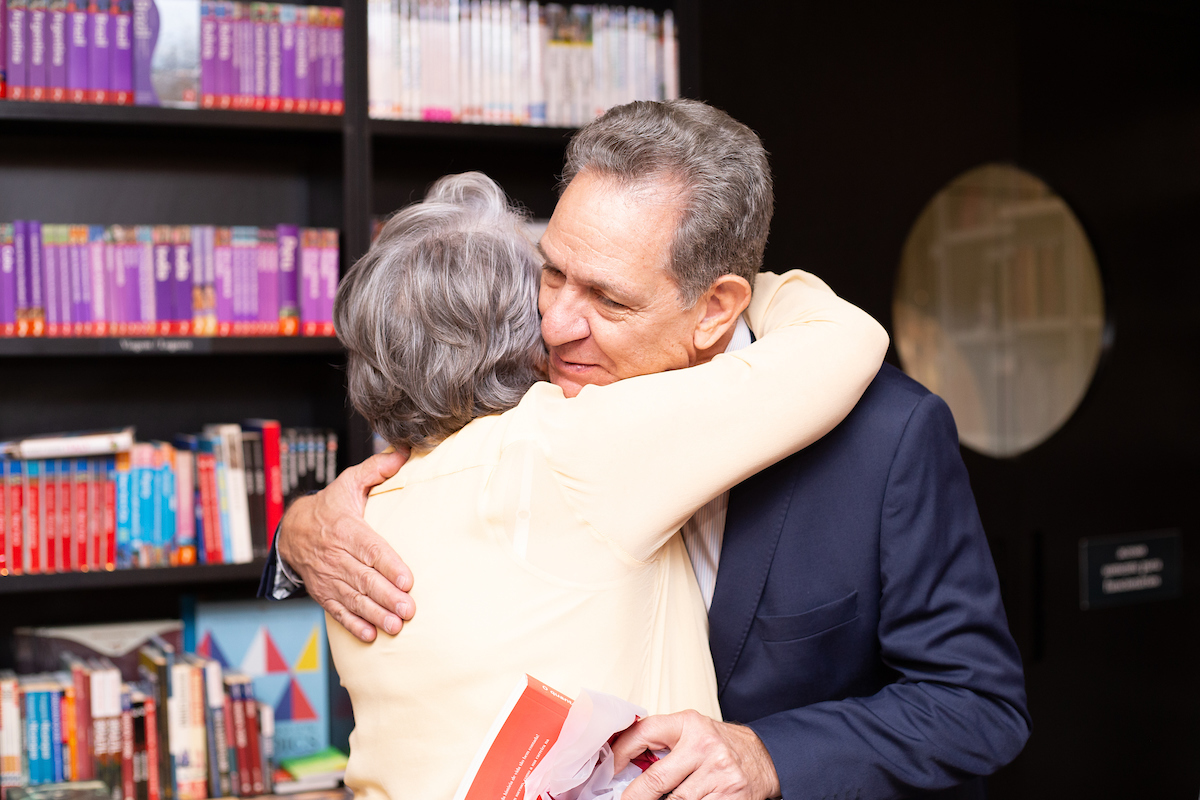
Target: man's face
x=610, y=309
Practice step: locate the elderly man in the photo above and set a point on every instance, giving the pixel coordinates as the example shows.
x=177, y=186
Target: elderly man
x=860, y=644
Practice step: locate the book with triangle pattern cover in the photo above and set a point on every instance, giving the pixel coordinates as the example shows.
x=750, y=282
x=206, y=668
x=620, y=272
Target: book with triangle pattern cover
x=281, y=646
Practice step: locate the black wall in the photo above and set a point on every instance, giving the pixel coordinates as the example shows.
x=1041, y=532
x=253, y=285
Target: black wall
x=868, y=109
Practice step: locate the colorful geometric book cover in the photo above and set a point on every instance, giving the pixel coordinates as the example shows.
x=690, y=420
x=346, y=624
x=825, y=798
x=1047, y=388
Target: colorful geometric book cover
x=282, y=647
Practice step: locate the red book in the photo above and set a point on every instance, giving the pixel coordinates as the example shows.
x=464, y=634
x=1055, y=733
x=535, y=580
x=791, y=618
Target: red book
x=50, y=502
x=253, y=749
x=153, y=791
x=524, y=731
x=79, y=503
x=33, y=517
x=110, y=514
x=272, y=470
x=95, y=514
x=210, y=510
x=14, y=547
x=233, y=686
x=63, y=554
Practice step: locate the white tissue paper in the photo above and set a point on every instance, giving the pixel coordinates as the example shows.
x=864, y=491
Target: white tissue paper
x=580, y=764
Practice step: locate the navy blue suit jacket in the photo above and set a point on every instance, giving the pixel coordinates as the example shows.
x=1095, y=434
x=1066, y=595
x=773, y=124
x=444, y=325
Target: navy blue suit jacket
x=856, y=623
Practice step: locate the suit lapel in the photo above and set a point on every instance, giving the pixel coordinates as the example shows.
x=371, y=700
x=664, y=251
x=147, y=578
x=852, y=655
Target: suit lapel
x=757, y=509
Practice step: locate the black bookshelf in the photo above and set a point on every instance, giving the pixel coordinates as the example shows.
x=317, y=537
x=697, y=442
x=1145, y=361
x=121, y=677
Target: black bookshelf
x=41, y=347
x=198, y=575
x=144, y=165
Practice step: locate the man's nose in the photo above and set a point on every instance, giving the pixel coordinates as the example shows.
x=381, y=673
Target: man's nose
x=563, y=318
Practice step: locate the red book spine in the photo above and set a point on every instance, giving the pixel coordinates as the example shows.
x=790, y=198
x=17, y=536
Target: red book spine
x=110, y=515
x=80, y=508
x=50, y=501
x=16, y=523
x=95, y=515
x=64, y=517
x=206, y=474
x=152, y=777
x=273, y=472
x=33, y=517
x=253, y=749
x=84, y=766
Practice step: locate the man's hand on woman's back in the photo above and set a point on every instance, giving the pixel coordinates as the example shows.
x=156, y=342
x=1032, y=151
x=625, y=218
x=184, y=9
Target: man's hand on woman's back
x=346, y=567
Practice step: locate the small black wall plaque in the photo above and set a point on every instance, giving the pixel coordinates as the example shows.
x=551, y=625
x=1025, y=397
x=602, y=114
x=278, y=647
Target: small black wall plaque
x=1127, y=569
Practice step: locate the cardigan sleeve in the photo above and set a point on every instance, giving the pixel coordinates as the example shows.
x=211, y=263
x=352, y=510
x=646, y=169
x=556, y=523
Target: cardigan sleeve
x=644, y=453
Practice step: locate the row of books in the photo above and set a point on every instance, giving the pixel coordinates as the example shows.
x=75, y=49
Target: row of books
x=240, y=55
x=515, y=61
x=210, y=498
x=181, y=280
x=224, y=689
x=186, y=730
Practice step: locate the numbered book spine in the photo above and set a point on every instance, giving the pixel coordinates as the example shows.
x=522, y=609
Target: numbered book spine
x=99, y=42
x=79, y=44
x=8, y=281
x=182, y=285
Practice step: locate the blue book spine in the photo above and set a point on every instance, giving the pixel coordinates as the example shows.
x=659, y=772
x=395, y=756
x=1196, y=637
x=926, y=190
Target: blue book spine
x=167, y=503
x=32, y=732
x=124, y=481
x=56, y=735
x=45, y=734
x=146, y=534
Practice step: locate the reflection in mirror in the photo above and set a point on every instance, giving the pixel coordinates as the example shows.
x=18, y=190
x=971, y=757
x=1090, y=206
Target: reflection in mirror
x=999, y=308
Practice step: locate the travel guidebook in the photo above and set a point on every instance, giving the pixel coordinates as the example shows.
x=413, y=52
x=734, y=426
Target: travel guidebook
x=543, y=745
x=282, y=648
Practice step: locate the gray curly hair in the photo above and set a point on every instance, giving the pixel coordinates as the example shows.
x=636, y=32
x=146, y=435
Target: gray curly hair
x=719, y=164
x=439, y=319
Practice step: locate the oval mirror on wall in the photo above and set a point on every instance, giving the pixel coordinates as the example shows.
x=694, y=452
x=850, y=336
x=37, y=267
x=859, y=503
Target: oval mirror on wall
x=999, y=308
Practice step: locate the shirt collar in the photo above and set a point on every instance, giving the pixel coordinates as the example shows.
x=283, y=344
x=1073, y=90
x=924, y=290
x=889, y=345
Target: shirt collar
x=741, y=336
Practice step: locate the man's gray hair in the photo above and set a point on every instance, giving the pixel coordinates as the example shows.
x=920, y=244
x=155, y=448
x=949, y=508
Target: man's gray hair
x=719, y=164
x=439, y=318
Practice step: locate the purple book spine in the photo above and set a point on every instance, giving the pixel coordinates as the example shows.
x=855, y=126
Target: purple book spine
x=3, y=49
x=145, y=36
x=131, y=305
x=302, y=81
x=224, y=63
x=313, y=34
x=66, y=298
x=8, y=280
x=81, y=291
x=33, y=277
x=268, y=282
x=309, y=281
x=184, y=271
x=325, y=46
x=57, y=24
x=16, y=54
x=78, y=45
x=98, y=286
x=21, y=266
x=338, y=43
x=223, y=279
x=50, y=288
x=274, y=59
x=164, y=278
x=329, y=278
x=288, y=239
x=98, y=55
x=114, y=265
x=287, y=57
x=246, y=26
x=208, y=54
x=258, y=30
x=120, y=67
x=112, y=295
x=149, y=310
x=37, y=39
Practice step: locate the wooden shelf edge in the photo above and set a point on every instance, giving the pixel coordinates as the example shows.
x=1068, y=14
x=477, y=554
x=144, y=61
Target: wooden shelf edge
x=79, y=113
x=470, y=132
x=124, y=578
x=169, y=346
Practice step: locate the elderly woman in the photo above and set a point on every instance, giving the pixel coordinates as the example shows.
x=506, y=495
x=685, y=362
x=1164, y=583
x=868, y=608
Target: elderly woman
x=544, y=529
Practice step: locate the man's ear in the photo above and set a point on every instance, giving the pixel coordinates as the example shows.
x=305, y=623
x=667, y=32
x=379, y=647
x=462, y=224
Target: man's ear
x=718, y=311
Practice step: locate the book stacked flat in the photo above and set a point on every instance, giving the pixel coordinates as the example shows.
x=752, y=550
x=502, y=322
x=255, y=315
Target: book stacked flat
x=80, y=503
x=166, y=280
x=180, y=53
x=515, y=62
